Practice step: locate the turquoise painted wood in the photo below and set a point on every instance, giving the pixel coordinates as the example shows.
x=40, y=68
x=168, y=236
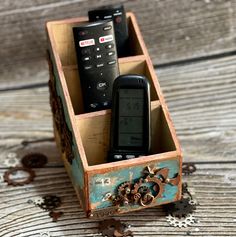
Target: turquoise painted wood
x=102, y=184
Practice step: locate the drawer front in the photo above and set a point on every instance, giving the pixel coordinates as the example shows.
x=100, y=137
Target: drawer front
x=133, y=187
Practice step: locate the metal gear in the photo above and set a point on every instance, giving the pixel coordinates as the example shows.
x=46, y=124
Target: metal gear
x=11, y=171
x=38, y=201
x=50, y=202
x=11, y=161
x=55, y=215
x=108, y=227
x=188, y=168
x=34, y=160
x=124, y=192
x=124, y=189
x=189, y=220
x=114, y=228
x=180, y=208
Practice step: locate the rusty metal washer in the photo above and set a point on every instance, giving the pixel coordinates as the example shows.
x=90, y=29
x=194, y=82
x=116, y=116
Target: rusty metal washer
x=11, y=171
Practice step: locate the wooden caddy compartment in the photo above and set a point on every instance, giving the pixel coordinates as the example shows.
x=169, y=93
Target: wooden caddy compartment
x=83, y=138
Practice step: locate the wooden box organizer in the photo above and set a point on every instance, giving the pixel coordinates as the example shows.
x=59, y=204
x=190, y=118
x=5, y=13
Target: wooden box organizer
x=83, y=138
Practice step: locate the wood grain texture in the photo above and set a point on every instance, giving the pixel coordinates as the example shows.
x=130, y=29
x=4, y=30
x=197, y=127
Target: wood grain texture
x=173, y=30
x=216, y=213
x=200, y=96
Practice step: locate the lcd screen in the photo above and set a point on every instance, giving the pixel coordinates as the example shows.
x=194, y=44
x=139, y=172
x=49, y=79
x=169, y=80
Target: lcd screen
x=130, y=121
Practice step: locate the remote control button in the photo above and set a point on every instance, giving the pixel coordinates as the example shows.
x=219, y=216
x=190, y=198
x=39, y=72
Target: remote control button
x=105, y=38
x=111, y=53
x=87, y=67
x=97, y=49
x=86, y=51
x=109, y=46
x=106, y=28
x=118, y=157
x=93, y=105
x=87, y=42
x=98, y=56
x=111, y=62
x=86, y=58
x=100, y=65
x=102, y=85
x=130, y=156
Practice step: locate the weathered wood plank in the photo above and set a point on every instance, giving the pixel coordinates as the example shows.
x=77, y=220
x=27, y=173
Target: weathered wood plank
x=200, y=96
x=172, y=30
x=214, y=186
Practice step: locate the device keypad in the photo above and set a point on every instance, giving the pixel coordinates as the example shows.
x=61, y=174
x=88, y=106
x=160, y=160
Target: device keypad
x=97, y=61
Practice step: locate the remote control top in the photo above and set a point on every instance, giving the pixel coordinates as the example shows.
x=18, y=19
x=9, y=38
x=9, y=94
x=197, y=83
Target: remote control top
x=118, y=15
x=97, y=63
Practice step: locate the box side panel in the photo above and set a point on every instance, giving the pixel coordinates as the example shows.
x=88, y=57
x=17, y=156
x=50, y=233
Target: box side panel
x=71, y=158
x=163, y=176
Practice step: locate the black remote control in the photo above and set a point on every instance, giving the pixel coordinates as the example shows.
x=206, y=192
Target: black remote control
x=118, y=15
x=97, y=63
x=130, y=135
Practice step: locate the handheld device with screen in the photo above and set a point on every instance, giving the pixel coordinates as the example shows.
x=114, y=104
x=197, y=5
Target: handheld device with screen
x=130, y=119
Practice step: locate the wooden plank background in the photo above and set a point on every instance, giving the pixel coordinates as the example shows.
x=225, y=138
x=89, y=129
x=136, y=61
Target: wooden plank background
x=193, y=44
x=173, y=30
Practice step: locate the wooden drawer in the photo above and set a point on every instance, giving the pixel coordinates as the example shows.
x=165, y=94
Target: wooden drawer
x=83, y=138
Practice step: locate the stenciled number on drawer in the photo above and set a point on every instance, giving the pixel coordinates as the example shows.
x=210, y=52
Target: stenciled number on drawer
x=103, y=181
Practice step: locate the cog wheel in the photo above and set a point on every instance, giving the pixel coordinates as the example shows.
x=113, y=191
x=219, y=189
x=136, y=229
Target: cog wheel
x=50, y=202
x=11, y=181
x=11, y=162
x=108, y=227
x=38, y=201
x=180, y=208
x=124, y=193
x=34, y=160
x=188, y=168
x=124, y=189
x=189, y=220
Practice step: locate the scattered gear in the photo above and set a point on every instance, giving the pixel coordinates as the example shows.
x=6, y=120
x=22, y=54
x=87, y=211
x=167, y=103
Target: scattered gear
x=188, y=168
x=50, y=202
x=12, y=171
x=38, y=201
x=34, y=160
x=114, y=228
x=189, y=220
x=180, y=208
x=55, y=215
x=109, y=226
x=11, y=160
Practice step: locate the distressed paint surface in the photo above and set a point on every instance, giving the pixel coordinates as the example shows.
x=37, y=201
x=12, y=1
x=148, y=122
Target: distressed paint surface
x=101, y=184
x=77, y=170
